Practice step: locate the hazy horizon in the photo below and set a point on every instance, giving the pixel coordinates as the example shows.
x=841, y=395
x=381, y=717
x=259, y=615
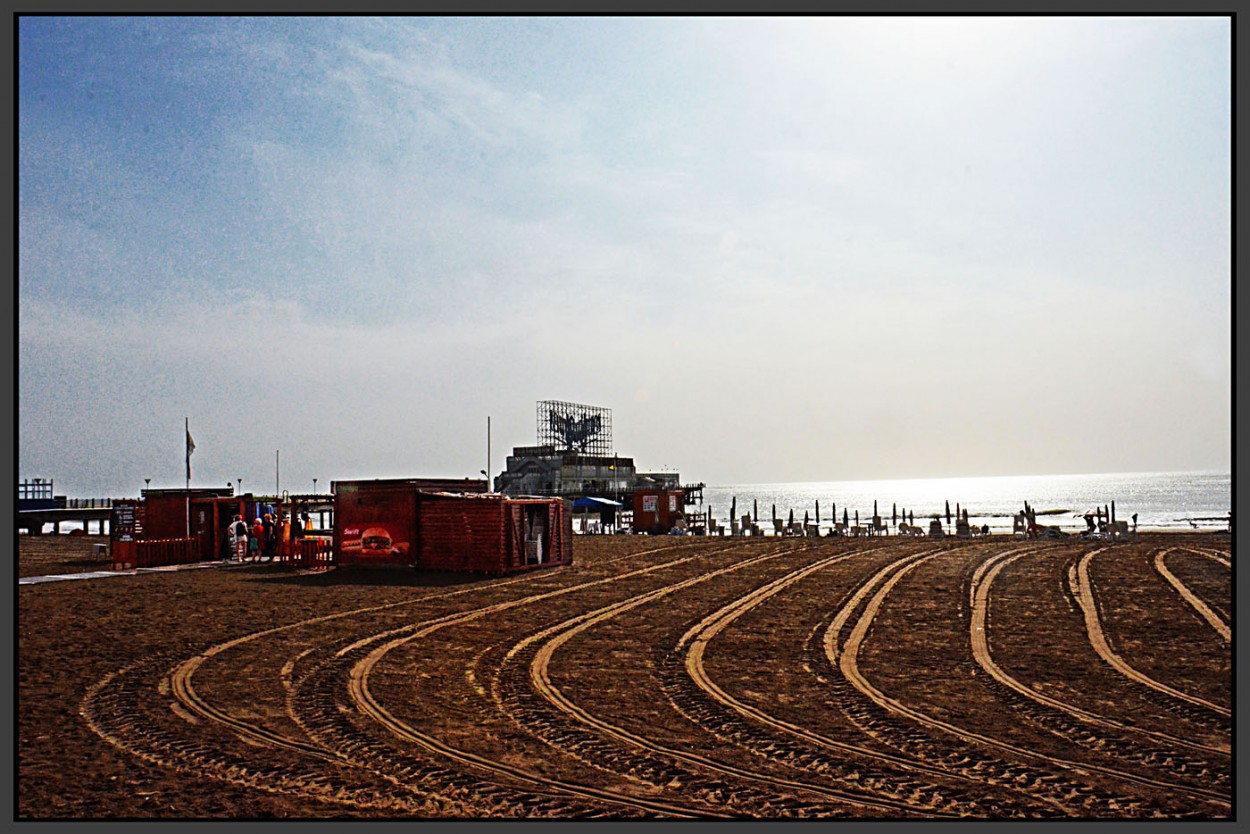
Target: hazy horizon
x=779, y=249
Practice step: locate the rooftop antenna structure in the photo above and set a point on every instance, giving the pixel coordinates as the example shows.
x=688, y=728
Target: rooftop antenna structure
x=575, y=427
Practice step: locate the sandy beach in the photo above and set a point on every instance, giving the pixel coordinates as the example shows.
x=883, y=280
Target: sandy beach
x=665, y=677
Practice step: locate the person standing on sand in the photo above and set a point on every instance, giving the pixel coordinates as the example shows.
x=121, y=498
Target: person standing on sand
x=238, y=536
x=255, y=538
x=269, y=537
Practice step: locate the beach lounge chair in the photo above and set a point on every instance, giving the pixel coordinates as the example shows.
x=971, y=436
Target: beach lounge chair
x=779, y=527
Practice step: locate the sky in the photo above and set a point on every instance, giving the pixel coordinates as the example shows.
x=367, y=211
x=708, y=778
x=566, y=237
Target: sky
x=778, y=249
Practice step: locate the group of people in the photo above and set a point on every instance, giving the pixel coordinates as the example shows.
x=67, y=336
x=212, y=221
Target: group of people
x=259, y=542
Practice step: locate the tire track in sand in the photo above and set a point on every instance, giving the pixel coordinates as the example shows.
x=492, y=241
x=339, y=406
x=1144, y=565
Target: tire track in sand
x=558, y=635
x=1082, y=588
x=99, y=709
x=981, y=592
x=1216, y=622
x=847, y=662
x=700, y=636
x=358, y=689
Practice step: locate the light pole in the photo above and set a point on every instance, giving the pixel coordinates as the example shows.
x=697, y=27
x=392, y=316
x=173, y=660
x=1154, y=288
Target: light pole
x=314, y=486
x=146, y=481
x=240, y=480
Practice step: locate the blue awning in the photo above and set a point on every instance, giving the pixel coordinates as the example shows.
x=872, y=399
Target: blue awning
x=589, y=503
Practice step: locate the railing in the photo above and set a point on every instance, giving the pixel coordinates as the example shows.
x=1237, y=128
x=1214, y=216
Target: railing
x=88, y=503
x=312, y=553
x=154, y=553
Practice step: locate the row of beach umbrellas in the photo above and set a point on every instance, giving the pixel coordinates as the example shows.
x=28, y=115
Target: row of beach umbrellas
x=1106, y=511
x=909, y=517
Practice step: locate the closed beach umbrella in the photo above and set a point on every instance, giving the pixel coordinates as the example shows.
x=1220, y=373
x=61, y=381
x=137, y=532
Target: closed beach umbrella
x=792, y=516
x=911, y=518
x=948, y=512
x=857, y=518
x=806, y=519
x=845, y=521
x=755, y=510
x=817, y=512
x=774, y=512
x=958, y=514
x=874, y=508
x=894, y=513
x=1113, y=512
x=733, y=510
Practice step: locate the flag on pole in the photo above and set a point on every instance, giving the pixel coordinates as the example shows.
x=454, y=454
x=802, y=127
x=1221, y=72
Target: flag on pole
x=190, y=449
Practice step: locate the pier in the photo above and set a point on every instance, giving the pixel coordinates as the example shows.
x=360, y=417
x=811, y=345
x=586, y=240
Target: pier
x=38, y=506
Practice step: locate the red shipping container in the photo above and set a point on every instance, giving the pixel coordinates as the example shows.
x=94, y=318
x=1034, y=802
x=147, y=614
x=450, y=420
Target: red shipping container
x=492, y=533
x=442, y=525
x=375, y=522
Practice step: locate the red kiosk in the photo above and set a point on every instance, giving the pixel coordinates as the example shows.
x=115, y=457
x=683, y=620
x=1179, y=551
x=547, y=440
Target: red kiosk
x=171, y=526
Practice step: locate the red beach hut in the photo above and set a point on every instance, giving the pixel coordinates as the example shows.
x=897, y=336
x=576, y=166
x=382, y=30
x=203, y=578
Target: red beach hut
x=447, y=525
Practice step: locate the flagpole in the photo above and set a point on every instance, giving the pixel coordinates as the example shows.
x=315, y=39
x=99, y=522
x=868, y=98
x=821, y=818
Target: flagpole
x=188, y=492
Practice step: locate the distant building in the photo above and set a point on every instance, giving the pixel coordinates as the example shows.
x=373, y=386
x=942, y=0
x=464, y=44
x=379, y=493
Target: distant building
x=575, y=459
x=37, y=494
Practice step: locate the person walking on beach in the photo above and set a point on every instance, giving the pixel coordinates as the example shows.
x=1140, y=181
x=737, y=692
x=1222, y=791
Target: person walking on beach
x=238, y=536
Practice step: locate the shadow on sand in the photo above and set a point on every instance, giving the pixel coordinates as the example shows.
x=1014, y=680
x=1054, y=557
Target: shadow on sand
x=356, y=576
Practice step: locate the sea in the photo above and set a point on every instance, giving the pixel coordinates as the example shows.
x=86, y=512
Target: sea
x=1162, y=501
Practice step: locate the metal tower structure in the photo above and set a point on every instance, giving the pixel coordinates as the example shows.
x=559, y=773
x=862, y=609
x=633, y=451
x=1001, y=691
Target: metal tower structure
x=575, y=427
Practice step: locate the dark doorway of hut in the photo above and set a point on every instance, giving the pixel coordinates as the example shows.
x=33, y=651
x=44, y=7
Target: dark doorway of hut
x=537, y=535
